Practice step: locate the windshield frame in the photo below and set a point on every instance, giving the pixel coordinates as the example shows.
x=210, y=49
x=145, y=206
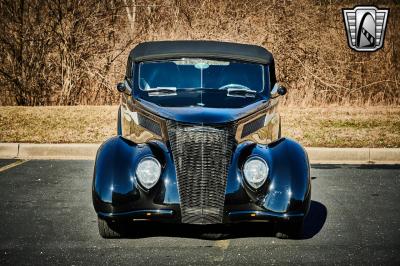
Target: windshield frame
x=265, y=71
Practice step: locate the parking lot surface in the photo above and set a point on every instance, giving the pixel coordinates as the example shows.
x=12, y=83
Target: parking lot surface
x=47, y=218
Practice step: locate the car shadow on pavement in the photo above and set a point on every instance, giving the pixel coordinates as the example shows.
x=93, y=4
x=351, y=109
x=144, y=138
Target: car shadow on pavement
x=378, y=166
x=314, y=222
x=315, y=219
x=355, y=166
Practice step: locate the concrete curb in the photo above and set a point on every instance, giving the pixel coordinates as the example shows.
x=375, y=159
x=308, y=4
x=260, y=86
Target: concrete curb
x=354, y=155
x=57, y=151
x=8, y=150
x=88, y=152
x=339, y=155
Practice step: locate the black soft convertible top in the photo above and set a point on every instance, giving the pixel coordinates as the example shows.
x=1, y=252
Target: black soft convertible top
x=207, y=49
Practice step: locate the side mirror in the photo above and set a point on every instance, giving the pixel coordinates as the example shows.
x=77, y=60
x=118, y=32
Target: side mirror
x=282, y=90
x=121, y=87
x=124, y=87
x=278, y=90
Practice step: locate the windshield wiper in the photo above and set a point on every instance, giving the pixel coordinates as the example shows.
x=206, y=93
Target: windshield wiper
x=162, y=91
x=239, y=92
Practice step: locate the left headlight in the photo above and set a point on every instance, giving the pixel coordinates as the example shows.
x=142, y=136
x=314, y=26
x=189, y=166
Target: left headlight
x=255, y=171
x=148, y=172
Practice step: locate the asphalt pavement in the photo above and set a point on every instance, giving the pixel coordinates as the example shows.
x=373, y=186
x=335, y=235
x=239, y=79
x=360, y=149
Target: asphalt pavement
x=47, y=218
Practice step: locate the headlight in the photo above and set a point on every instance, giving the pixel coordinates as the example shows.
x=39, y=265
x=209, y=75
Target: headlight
x=148, y=172
x=255, y=171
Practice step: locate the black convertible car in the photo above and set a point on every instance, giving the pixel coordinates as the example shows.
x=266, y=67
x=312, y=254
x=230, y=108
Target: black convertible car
x=199, y=142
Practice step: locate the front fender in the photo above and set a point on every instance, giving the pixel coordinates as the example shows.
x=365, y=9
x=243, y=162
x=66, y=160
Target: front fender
x=287, y=188
x=115, y=188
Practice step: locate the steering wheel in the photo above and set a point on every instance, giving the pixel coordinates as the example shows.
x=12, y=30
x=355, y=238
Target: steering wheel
x=233, y=85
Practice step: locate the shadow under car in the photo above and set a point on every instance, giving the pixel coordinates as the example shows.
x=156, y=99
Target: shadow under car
x=313, y=224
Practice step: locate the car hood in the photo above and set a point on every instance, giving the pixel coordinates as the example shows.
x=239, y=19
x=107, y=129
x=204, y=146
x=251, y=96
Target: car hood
x=202, y=114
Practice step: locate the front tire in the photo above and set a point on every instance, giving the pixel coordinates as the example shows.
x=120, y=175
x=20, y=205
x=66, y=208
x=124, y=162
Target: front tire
x=108, y=229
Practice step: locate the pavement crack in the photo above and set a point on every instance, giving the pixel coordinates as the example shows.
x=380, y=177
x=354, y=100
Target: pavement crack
x=18, y=147
x=222, y=245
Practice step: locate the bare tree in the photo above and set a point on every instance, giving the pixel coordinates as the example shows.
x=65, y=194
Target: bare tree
x=73, y=51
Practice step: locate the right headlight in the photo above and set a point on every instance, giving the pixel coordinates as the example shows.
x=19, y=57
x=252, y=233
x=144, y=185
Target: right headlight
x=255, y=171
x=148, y=172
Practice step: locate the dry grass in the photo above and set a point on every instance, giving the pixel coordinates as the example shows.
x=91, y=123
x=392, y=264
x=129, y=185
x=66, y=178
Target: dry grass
x=343, y=126
x=77, y=124
x=324, y=127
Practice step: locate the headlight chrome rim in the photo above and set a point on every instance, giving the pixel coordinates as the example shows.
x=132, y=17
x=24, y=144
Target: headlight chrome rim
x=252, y=183
x=141, y=180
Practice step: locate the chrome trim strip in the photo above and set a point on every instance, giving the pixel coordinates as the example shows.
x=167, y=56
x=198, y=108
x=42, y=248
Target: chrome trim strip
x=137, y=212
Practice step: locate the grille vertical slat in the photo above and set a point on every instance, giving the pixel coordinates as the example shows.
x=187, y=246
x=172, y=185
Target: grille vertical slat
x=202, y=156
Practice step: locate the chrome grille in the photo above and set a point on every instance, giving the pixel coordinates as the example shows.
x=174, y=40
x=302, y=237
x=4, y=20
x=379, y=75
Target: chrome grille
x=202, y=155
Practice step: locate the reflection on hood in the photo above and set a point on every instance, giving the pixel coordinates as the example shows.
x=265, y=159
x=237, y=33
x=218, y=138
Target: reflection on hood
x=203, y=107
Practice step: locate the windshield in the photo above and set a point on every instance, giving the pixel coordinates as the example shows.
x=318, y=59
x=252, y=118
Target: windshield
x=189, y=73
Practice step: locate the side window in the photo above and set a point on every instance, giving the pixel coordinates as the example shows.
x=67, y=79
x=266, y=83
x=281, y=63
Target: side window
x=128, y=68
x=267, y=79
x=272, y=77
x=129, y=74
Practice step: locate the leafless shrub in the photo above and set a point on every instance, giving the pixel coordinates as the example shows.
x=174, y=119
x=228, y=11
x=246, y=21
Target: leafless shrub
x=73, y=52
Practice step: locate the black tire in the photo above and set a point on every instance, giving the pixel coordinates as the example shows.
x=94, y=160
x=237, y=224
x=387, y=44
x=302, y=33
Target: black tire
x=108, y=229
x=290, y=229
x=212, y=236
